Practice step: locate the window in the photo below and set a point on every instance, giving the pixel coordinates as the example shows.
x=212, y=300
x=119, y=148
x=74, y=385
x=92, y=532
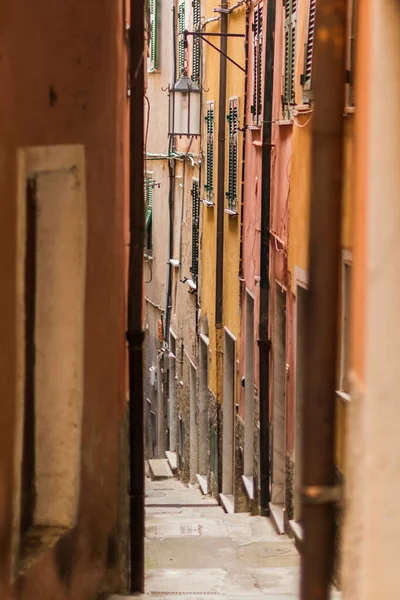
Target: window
x=209, y=186
x=196, y=43
x=351, y=53
x=51, y=322
x=148, y=189
x=181, y=41
x=153, y=36
x=306, y=78
x=195, y=229
x=257, y=27
x=233, y=124
x=290, y=53
x=344, y=385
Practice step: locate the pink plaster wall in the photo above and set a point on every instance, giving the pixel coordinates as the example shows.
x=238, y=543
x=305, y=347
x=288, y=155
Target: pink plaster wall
x=63, y=82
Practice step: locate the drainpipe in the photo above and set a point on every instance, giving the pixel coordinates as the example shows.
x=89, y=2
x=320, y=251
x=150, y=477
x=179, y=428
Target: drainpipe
x=246, y=77
x=171, y=195
x=221, y=168
x=263, y=341
x=134, y=334
x=319, y=493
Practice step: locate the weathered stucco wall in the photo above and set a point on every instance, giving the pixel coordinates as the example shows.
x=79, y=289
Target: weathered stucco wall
x=63, y=68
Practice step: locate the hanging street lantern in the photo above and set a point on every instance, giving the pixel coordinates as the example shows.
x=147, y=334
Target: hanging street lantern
x=184, y=108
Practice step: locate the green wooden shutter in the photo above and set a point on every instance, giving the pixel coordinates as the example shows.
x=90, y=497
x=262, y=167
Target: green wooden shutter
x=196, y=42
x=195, y=229
x=257, y=27
x=290, y=51
x=181, y=41
x=308, y=60
x=351, y=99
x=233, y=126
x=154, y=35
x=148, y=218
x=209, y=186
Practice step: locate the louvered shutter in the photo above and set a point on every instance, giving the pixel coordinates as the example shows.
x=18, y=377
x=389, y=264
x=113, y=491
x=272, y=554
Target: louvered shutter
x=149, y=201
x=290, y=7
x=257, y=28
x=233, y=126
x=308, y=62
x=196, y=42
x=209, y=186
x=181, y=42
x=154, y=35
x=195, y=229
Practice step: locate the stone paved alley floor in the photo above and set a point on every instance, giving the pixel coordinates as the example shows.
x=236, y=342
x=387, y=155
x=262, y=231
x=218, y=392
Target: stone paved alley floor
x=195, y=550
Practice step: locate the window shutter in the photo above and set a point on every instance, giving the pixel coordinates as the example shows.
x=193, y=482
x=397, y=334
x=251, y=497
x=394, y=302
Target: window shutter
x=209, y=186
x=290, y=51
x=148, y=187
x=233, y=123
x=353, y=8
x=195, y=229
x=257, y=65
x=310, y=46
x=196, y=42
x=154, y=35
x=181, y=42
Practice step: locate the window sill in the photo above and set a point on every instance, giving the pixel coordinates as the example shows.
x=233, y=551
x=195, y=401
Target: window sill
x=208, y=204
x=174, y=262
x=285, y=122
x=147, y=256
x=254, y=128
x=349, y=110
x=343, y=397
x=231, y=213
x=35, y=542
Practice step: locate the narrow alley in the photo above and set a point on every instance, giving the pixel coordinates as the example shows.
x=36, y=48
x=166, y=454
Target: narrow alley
x=195, y=550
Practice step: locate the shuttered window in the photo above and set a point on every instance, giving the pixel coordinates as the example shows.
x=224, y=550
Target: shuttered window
x=309, y=49
x=181, y=41
x=195, y=229
x=209, y=185
x=196, y=42
x=153, y=35
x=148, y=194
x=290, y=52
x=233, y=126
x=351, y=52
x=257, y=27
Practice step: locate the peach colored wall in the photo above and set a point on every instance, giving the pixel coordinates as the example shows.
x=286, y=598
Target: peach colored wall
x=63, y=82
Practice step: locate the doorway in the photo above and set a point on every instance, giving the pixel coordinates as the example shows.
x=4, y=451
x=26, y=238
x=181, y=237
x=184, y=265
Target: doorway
x=301, y=299
x=249, y=398
x=203, y=413
x=279, y=406
x=228, y=433
x=193, y=423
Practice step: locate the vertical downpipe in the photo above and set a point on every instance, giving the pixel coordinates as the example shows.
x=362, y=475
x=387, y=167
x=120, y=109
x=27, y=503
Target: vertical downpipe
x=134, y=334
x=263, y=341
x=318, y=427
x=221, y=169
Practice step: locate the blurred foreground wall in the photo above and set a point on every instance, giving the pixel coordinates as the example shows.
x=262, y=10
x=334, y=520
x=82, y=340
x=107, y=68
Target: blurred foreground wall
x=62, y=314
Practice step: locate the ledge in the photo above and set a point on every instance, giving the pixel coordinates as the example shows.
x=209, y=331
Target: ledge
x=248, y=483
x=276, y=513
x=174, y=262
x=208, y=204
x=297, y=530
x=231, y=213
x=202, y=479
x=228, y=503
x=343, y=397
x=147, y=257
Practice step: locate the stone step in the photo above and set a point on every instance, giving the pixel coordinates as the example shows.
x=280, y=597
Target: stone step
x=160, y=469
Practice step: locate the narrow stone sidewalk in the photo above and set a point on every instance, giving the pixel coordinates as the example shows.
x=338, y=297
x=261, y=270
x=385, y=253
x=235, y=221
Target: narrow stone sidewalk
x=194, y=550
